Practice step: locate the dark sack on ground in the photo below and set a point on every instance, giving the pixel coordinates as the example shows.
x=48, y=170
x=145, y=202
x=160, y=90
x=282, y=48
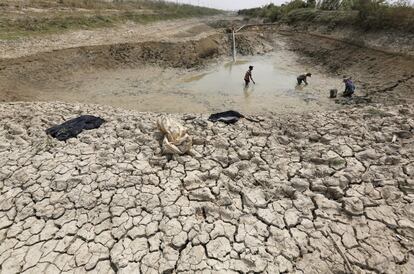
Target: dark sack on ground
x=228, y=117
x=71, y=128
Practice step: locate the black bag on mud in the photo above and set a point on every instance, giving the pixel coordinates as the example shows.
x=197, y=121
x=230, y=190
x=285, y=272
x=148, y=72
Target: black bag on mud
x=71, y=128
x=333, y=93
x=227, y=117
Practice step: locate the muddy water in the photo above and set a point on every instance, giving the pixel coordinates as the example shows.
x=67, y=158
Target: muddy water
x=275, y=89
x=217, y=88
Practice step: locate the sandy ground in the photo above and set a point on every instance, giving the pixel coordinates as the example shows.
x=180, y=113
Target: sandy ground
x=316, y=193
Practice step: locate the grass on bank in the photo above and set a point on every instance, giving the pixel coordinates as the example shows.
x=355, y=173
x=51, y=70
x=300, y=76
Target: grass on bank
x=366, y=14
x=33, y=17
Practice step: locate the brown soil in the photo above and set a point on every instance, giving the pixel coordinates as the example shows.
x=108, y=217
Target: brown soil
x=385, y=77
x=167, y=31
x=20, y=76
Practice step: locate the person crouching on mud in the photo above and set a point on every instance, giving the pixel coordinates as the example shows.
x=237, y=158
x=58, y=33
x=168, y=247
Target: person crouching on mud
x=302, y=78
x=349, y=87
x=248, y=77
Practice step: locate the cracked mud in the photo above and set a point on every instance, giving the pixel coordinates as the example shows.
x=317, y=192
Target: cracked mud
x=327, y=192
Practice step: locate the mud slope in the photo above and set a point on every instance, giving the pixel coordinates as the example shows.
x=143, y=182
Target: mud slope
x=166, y=31
x=298, y=194
x=19, y=75
x=385, y=77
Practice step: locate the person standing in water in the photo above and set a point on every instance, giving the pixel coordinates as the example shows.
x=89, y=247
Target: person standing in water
x=302, y=78
x=248, y=77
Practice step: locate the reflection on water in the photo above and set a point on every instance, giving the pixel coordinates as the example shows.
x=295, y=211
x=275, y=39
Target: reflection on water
x=248, y=90
x=299, y=87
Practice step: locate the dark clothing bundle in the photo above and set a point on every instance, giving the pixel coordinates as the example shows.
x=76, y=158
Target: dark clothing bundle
x=227, y=117
x=71, y=128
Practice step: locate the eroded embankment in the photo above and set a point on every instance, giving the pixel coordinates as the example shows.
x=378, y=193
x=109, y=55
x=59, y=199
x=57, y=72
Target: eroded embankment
x=295, y=194
x=20, y=75
x=385, y=40
x=383, y=71
x=384, y=77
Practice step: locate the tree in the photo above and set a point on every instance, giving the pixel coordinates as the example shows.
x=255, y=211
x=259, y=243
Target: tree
x=311, y=3
x=330, y=4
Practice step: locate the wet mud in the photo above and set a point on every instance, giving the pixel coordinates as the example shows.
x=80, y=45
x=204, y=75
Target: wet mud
x=197, y=77
x=218, y=87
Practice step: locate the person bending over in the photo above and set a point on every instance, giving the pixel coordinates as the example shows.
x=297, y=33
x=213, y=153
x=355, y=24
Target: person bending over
x=302, y=78
x=349, y=87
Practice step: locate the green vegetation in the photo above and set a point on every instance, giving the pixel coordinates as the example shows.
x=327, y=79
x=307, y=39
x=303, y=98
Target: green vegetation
x=368, y=14
x=34, y=17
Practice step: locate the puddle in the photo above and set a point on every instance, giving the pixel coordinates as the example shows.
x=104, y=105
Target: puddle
x=275, y=89
x=221, y=87
x=270, y=78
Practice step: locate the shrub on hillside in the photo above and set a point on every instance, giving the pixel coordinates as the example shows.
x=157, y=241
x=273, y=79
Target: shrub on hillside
x=329, y=4
x=293, y=5
x=272, y=13
x=369, y=14
x=377, y=14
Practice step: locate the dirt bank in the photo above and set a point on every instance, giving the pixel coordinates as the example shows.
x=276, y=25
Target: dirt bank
x=386, y=40
x=394, y=42
x=166, y=31
x=292, y=194
x=385, y=77
x=381, y=62
x=20, y=75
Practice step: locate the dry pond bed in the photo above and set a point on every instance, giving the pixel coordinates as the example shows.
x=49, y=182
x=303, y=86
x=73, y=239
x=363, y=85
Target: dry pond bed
x=292, y=194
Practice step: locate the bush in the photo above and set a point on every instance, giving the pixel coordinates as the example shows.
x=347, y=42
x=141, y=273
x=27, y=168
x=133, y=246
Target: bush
x=301, y=15
x=272, y=13
x=380, y=15
x=329, y=4
x=292, y=5
x=368, y=14
x=94, y=14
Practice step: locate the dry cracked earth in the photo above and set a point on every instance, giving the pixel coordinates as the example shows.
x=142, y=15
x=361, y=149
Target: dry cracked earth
x=325, y=192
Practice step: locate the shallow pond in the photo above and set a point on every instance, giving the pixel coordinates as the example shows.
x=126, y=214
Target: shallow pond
x=219, y=87
x=276, y=86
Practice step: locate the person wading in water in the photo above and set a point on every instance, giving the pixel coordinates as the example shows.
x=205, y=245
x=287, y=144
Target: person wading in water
x=302, y=78
x=248, y=77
